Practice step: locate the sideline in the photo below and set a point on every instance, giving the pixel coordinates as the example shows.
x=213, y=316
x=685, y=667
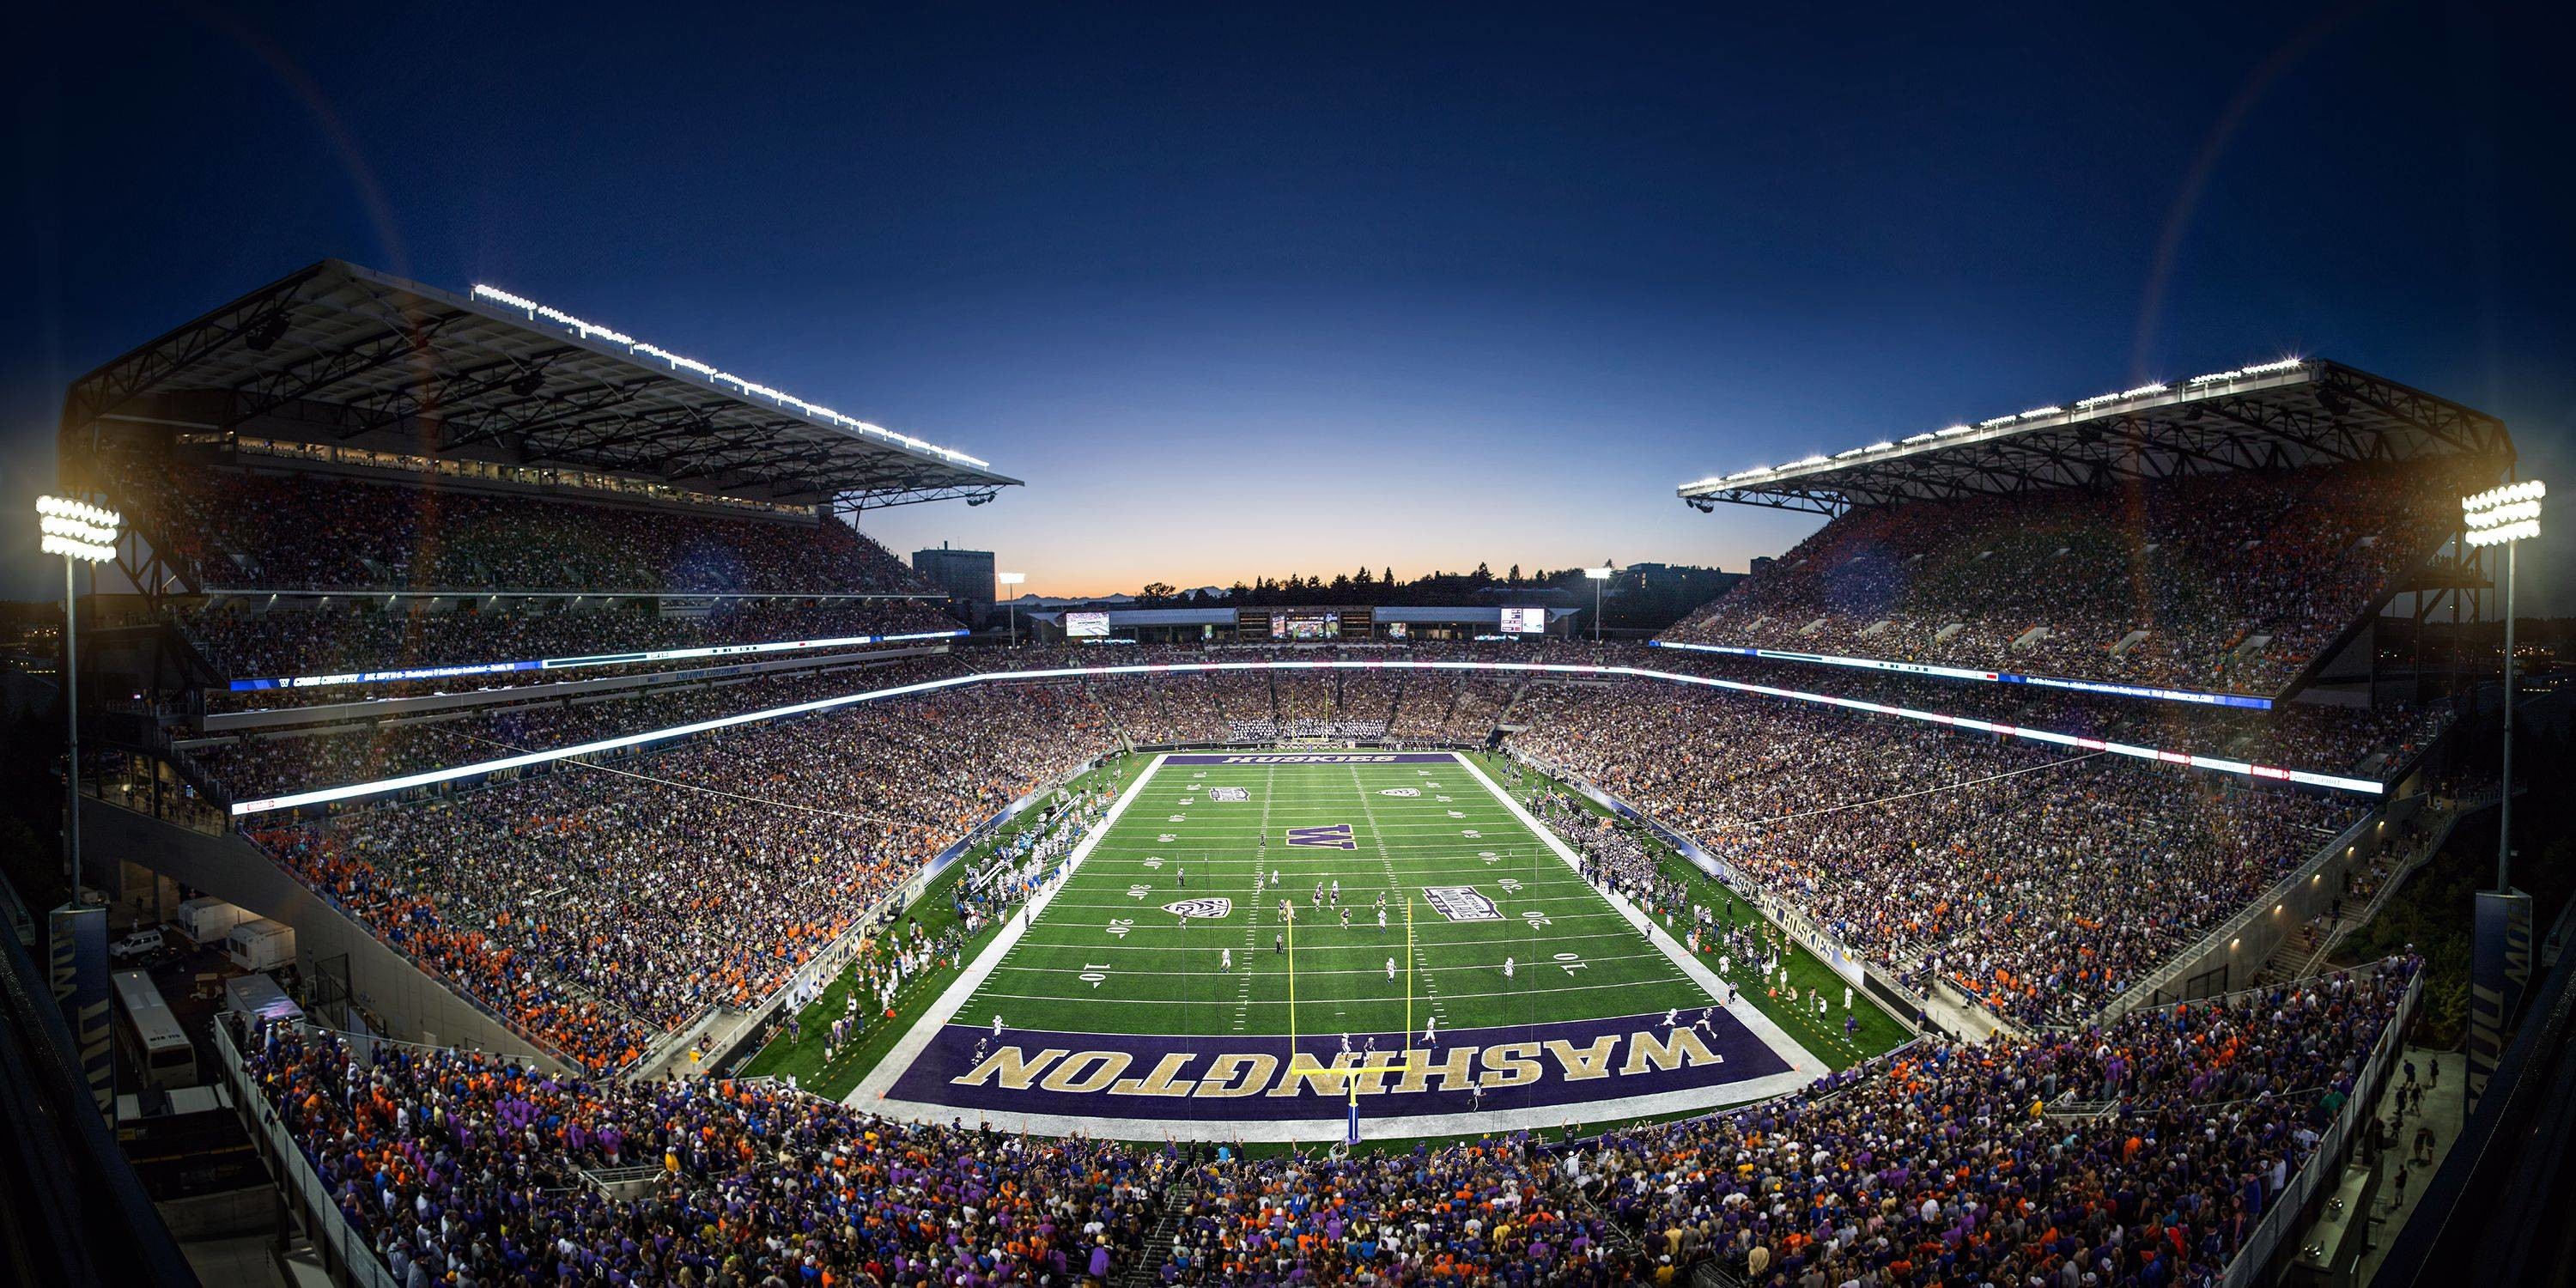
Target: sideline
x=1801, y=1060
x=870, y=1093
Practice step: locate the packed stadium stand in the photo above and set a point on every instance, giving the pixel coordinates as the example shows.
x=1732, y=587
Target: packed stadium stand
x=2234, y=582
x=597, y=883
x=2223, y=535
x=238, y=528
x=1937, y=1166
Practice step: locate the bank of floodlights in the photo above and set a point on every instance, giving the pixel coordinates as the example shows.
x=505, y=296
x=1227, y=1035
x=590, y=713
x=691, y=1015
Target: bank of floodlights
x=2503, y=514
x=77, y=529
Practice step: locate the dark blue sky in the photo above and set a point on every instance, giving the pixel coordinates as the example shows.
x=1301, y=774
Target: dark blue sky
x=1249, y=291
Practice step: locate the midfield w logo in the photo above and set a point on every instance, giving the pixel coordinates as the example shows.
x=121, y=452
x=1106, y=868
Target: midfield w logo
x=1334, y=836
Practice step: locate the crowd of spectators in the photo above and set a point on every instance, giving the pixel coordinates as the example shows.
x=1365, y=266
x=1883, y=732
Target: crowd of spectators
x=1613, y=855
x=597, y=909
x=1144, y=710
x=1942, y=1164
x=2302, y=735
x=2227, y=582
x=465, y=1169
x=2012, y=870
x=239, y=529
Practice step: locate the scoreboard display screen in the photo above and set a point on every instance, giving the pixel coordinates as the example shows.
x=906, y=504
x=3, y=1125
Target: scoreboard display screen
x=1086, y=626
x=1305, y=624
x=1524, y=621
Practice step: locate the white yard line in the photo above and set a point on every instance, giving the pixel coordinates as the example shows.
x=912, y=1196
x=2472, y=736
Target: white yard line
x=909, y=1047
x=1252, y=915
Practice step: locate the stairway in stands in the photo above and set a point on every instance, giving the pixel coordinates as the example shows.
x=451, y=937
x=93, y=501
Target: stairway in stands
x=2302, y=953
x=1144, y=1269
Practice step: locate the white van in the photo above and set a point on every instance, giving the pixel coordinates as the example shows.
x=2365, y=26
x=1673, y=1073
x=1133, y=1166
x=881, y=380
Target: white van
x=136, y=946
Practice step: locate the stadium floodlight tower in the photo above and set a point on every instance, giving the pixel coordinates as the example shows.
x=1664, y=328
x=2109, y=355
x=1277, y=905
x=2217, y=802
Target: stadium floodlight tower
x=1600, y=577
x=2505, y=516
x=81, y=533
x=1013, y=579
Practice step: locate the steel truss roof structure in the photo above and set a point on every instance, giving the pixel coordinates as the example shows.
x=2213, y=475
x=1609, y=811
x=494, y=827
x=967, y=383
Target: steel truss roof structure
x=336, y=354
x=2278, y=415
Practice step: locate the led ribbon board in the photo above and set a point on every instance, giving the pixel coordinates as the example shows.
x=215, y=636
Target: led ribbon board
x=2109, y=687
x=572, y=663
x=354, y=791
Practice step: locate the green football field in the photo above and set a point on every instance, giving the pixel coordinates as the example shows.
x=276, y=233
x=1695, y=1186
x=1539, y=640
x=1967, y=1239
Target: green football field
x=1105, y=955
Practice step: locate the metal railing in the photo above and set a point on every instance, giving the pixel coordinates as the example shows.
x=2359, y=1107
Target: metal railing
x=343, y=1249
x=2289, y=1207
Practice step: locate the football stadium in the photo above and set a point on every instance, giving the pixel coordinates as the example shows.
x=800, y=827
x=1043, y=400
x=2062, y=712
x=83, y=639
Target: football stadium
x=666, y=842
x=509, y=804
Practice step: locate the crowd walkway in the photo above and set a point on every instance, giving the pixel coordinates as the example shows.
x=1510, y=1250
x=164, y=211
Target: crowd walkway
x=2420, y=1114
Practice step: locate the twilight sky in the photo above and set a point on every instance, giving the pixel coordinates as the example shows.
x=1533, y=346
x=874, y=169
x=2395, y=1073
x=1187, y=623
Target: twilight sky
x=1248, y=291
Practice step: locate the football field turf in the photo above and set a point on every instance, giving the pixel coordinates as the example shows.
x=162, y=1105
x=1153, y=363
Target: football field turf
x=1162, y=985
x=1109, y=955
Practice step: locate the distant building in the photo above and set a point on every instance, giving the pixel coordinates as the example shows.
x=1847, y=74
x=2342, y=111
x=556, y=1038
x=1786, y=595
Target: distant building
x=967, y=574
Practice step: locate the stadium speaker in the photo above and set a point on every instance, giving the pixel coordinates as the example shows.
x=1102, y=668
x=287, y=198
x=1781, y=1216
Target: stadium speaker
x=266, y=330
x=527, y=385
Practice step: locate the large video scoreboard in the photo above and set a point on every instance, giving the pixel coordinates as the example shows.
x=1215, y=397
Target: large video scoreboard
x=1290, y=625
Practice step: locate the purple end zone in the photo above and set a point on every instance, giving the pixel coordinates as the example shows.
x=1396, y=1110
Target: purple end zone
x=1316, y=758
x=1111, y=1075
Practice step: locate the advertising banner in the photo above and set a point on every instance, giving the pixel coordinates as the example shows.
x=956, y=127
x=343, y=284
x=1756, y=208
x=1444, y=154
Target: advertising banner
x=78, y=966
x=2499, y=971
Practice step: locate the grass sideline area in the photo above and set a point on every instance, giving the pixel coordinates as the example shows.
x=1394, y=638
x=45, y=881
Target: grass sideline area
x=1879, y=1031
x=801, y=1056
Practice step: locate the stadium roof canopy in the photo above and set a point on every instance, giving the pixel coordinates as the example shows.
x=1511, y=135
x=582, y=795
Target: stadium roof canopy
x=336, y=354
x=2268, y=416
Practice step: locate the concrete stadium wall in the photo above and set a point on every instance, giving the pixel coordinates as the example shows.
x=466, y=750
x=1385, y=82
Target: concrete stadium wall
x=414, y=1006
x=2229, y=960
